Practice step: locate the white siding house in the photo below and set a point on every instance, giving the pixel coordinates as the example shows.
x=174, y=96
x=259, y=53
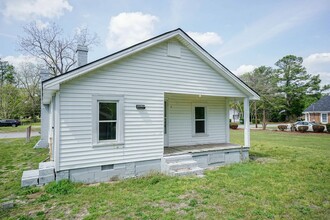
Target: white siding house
x=116, y=115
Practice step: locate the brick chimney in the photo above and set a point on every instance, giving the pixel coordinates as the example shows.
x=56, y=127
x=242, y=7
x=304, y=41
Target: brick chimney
x=82, y=53
x=44, y=74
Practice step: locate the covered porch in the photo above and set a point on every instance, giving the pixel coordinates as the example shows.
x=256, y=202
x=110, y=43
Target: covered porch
x=197, y=123
x=197, y=133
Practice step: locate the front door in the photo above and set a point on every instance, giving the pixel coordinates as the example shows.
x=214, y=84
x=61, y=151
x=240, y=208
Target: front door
x=165, y=124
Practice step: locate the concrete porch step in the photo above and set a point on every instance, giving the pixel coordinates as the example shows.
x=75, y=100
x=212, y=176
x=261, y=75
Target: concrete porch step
x=186, y=164
x=185, y=172
x=181, y=165
x=45, y=174
x=176, y=158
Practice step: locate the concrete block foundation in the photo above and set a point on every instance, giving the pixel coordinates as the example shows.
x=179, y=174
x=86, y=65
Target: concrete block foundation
x=110, y=172
x=199, y=160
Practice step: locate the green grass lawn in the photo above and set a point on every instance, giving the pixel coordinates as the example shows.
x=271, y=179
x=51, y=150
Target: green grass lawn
x=21, y=128
x=288, y=178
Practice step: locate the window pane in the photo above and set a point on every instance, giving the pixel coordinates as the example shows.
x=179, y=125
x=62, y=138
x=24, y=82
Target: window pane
x=107, y=131
x=107, y=111
x=324, y=117
x=199, y=113
x=200, y=126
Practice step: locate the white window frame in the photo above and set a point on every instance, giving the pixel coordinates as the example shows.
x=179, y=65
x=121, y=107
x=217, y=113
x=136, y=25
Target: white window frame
x=326, y=118
x=119, y=100
x=194, y=120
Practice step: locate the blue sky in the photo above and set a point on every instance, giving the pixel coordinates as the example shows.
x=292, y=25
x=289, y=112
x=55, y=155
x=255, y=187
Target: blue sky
x=242, y=35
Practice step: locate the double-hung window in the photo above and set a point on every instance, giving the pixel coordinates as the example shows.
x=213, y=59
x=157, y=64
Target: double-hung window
x=108, y=120
x=324, y=118
x=200, y=119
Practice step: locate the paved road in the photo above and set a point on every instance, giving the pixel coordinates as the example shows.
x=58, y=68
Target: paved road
x=253, y=126
x=18, y=134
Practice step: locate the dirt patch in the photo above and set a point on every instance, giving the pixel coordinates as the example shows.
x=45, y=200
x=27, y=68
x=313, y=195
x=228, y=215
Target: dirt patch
x=169, y=206
x=83, y=212
x=263, y=160
x=189, y=195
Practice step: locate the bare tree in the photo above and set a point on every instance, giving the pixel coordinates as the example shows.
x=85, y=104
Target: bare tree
x=28, y=79
x=49, y=45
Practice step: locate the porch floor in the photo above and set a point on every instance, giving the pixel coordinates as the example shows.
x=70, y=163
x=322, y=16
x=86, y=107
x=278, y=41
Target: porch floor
x=199, y=148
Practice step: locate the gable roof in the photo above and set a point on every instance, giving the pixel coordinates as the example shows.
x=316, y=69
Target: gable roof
x=52, y=84
x=322, y=105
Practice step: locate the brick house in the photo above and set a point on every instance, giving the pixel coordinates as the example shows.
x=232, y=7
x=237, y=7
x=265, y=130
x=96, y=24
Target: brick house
x=319, y=111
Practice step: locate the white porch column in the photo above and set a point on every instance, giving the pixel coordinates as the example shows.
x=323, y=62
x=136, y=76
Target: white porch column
x=227, y=130
x=246, y=122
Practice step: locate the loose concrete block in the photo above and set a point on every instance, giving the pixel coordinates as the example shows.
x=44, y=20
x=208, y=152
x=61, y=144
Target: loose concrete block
x=46, y=168
x=46, y=179
x=62, y=175
x=30, y=178
x=8, y=205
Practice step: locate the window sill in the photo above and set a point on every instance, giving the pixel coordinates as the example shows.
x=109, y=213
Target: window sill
x=109, y=144
x=200, y=135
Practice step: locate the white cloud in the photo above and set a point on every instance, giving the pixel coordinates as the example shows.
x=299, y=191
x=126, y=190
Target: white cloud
x=319, y=63
x=317, y=58
x=127, y=29
x=244, y=69
x=41, y=25
x=32, y=9
x=324, y=76
x=16, y=61
x=205, y=39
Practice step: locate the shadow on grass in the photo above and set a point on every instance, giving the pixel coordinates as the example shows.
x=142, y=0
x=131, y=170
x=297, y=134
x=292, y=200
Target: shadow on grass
x=255, y=155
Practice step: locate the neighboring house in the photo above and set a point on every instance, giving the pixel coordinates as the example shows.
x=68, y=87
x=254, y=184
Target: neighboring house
x=160, y=105
x=234, y=115
x=319, y=111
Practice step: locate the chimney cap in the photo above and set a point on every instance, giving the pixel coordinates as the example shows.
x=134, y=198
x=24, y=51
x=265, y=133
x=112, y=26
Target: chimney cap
x=82, y=48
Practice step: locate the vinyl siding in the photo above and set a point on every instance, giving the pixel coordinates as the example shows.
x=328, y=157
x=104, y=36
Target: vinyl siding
x=142, y=78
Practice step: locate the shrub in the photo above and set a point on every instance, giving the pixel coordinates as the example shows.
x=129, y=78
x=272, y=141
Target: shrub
x=328, y=127
x=302, y=128
x=241, y=121
x=233, y=125
x=318, y=128
x=282, y=127
x=254, y=121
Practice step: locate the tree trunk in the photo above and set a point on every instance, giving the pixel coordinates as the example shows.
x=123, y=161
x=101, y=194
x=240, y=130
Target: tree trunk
x=255, y=113
x=264, y=119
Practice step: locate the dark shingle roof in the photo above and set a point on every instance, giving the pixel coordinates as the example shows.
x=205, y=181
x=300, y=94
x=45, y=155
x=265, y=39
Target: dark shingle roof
x=322, y=105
